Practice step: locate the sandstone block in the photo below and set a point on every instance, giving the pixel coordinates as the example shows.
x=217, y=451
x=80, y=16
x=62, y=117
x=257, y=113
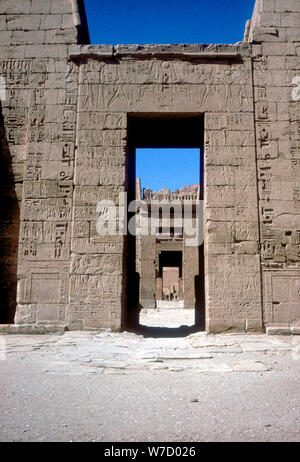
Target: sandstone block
x=293, y=34
x=246, y=248
x=2, y=23
x=215, y=326
x=38, y=7
x=6, y=328
x=278, y=330
x=268, y=6
x=46, y=51
x=290, y=20
x=220, y=232
x=15, y=7
x=254, y=325
x=278, y=49
x=256, y=50
x=53, y=21
x=6, y=37
x=276, y=62
x=12, y=52
x=30, y=329
x=270, y=19
x=55, y=329
x=67, y=36
x=269, y=34
x=23, y=22
x=75, y=325
x=287, y=6
x=279, y=94
x=97, y=50
x=219, y=175
x=28, y=37
x=63, y=6
x=67, y=21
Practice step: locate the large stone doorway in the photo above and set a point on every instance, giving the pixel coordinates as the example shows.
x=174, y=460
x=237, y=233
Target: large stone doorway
x=151, y=256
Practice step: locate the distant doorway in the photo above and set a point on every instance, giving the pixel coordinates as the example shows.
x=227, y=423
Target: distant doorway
x=169, y=280
x=170, y=284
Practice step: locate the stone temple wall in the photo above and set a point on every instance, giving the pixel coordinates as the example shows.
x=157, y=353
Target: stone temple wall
x=37, y=164
x=64, y=148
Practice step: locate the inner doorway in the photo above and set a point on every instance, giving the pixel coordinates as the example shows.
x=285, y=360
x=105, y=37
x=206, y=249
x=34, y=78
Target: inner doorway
x=169, y=283
x=161, y=266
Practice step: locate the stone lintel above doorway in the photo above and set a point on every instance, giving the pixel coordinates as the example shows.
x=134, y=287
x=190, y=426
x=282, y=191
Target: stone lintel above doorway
x=184, y=51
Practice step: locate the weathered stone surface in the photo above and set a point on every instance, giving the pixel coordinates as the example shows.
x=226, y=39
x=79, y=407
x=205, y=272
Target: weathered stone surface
x=278, y=330
x=295, y=330
x=249, y=366
x=287, y=6
x=65, y=147
x=290, y=19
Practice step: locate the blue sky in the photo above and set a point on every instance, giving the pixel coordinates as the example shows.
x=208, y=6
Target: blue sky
x=174, y=168
x=167, y=21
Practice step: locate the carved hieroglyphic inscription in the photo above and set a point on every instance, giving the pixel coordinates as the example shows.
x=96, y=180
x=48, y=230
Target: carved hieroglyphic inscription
x=278, y=179
x=282, y=297
x=265, y=155
x=128, y=84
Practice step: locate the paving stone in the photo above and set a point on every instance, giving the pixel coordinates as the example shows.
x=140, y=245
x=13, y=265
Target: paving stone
x=249, y=366
x=255, y=347
x=213, y=368
x=109, y=364
x=225, y=350
x=183, y=355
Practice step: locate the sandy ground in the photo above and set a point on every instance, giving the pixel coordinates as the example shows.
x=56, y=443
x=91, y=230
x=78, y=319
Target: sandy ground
x=113, y=387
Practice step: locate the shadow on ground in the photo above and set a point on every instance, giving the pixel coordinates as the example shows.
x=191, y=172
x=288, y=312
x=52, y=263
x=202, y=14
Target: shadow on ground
x=156, y=332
